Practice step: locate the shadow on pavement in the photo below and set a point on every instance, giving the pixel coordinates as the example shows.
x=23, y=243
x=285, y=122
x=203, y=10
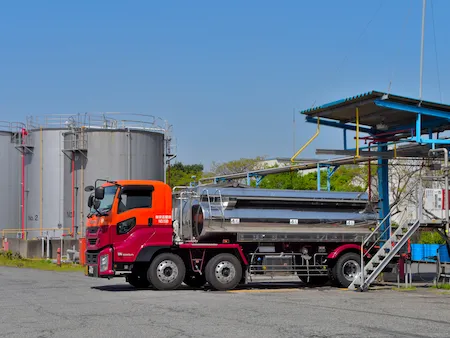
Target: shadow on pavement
x=250, y=286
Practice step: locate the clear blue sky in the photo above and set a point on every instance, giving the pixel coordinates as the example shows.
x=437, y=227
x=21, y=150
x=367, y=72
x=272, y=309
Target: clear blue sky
x=227, y=75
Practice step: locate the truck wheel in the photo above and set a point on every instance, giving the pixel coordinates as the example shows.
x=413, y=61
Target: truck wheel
x=138, y=281
x=223, y=272
x=194, y=280
x=347, y=267
x=166, y=272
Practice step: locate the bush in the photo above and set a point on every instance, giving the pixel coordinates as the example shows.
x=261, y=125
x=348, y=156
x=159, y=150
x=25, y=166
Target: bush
x=10, y=255
x=430, y=237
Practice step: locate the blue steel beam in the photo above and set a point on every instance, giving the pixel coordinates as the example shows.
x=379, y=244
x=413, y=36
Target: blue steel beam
x=338, y=125
x=413, y=109
x=383, y=188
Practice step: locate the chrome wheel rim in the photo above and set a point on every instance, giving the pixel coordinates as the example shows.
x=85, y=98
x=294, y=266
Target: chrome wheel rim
x=351, y=269
x=167, y=271
x=225, y=272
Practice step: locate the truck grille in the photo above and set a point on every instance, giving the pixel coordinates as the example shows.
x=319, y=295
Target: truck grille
x=92, y=241
x=91, y=257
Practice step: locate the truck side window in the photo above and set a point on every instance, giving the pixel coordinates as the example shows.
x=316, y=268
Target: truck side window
x=135, y=198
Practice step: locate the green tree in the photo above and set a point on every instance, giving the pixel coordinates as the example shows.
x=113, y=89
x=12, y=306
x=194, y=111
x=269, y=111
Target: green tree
x=181, y=174
x=237, y=166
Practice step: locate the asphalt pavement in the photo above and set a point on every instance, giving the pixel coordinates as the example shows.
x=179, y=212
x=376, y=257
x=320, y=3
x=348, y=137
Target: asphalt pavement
x=54, y=304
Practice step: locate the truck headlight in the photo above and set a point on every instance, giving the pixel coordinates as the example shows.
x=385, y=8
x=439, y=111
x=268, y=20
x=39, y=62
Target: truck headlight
x=104, y=263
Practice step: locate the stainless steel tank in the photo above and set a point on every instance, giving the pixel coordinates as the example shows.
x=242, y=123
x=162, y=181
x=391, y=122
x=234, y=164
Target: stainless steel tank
x=210, y=213
x=44, y=183
x=10, y=174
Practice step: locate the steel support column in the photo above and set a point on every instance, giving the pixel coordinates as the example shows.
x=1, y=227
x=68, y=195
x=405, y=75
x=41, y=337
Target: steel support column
x=383, y=191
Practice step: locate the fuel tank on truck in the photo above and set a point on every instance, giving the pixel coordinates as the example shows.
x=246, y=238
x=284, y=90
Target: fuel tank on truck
x=243, y=214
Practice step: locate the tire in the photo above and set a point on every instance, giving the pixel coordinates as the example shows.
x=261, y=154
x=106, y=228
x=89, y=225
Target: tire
x=347, y=264
x=223, y=272
x=166, y=272
x=138, y=281
x=194, y=280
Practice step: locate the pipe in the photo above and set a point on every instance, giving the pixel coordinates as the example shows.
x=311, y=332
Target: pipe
x=357, y=132
x=40, y=182
x=73, y=193
x=23, y=186
x=81, y=199
x=129, y=154
x=307, y=143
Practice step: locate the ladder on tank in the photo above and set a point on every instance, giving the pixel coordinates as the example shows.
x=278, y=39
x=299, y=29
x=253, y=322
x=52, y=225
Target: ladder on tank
x=388, y=250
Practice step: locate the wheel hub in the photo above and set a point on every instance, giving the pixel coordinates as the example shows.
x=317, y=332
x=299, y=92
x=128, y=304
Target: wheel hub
x=225, y=272
x=167, y=271
x=351, y=269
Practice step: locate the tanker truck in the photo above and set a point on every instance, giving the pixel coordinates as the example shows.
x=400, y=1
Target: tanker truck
x=223, y=235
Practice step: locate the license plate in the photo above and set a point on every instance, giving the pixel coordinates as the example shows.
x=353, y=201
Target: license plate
x=91, y=270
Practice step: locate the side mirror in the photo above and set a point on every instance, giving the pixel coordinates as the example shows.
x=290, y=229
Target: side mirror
x=99, y=193
x=91, y=201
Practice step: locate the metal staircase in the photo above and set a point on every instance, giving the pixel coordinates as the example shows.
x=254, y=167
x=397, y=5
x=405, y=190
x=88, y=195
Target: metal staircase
x=389, y=248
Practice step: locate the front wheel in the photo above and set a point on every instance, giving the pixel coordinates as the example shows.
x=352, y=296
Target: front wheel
x=223, y=272
x=347, y=268
x=166, y=272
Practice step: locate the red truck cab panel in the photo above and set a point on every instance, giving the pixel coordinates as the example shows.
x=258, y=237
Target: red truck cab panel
x=139, y=215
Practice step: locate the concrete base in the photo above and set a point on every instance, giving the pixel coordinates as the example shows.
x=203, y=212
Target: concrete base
x=35, y=248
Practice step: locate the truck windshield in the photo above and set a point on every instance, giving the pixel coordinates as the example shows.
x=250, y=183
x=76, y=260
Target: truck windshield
x=107, y=201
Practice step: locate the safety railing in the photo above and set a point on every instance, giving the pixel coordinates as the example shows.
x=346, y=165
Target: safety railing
x=107, y=120
x=382, y=236
x=14, y=232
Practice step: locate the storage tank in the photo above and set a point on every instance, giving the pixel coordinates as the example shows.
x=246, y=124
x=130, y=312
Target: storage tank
x=70, y=152
x=10, y=174
x=113, y=151
x=44, y=183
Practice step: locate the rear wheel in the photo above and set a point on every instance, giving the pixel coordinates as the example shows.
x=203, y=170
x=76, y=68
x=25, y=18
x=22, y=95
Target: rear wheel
x=166, y=272
x=347, y=267
x=223, y=272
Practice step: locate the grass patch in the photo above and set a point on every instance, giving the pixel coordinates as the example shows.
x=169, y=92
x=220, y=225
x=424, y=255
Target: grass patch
x=444, y=286
x=7, y=258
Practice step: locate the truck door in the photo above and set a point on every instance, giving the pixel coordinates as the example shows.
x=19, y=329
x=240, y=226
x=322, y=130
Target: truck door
x=134, y=217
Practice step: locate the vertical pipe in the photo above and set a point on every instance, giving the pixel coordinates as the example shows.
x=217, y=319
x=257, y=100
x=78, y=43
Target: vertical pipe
x=369, y=175
x=418, y=127
x=23, y=186
x=41, y=182
x=73, y=193
x=82, y=197
x=129, y=154
x=357, y=132
x=345, y=139
x=422, y=47
x=383, y=188
x=446, y=191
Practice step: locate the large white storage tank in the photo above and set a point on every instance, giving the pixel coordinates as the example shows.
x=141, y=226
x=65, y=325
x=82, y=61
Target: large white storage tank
x=107, y=154
x=44, y=183
x=10, y=177
x=63, y=154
